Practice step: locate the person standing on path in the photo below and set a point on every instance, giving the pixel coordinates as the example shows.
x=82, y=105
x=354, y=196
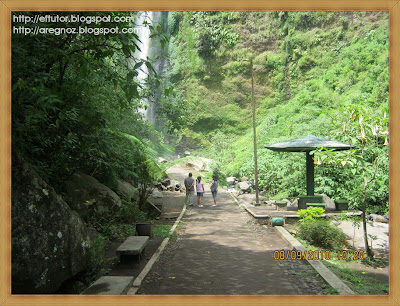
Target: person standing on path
x=214, y=189
x=189, y=185
x=200, y=190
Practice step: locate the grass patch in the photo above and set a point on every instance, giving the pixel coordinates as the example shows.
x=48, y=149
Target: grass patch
x=162, y=231
x=361, y=282
x=357, y=280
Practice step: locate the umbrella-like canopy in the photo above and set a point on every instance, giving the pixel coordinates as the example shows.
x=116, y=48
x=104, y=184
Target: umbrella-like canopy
x=307, y=144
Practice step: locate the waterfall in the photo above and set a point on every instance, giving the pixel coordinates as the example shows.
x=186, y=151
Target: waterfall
x=149, y=49
x=144, y=36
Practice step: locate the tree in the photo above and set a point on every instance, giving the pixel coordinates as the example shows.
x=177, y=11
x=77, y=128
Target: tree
x=367, y=161
x=72, y=93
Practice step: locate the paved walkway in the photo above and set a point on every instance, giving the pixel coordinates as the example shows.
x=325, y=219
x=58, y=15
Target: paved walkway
x=219, y=251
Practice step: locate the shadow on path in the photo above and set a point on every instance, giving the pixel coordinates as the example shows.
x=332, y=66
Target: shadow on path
x=219, y=252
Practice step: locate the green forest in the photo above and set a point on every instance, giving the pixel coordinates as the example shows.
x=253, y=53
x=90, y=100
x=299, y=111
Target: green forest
x=315, y=73
x=78, y=103
x=76, y=98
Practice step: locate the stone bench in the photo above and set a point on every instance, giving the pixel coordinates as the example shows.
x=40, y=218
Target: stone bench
x=133, y=246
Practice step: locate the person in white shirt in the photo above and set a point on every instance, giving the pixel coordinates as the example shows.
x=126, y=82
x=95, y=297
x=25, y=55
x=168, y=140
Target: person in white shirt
x=200, y=191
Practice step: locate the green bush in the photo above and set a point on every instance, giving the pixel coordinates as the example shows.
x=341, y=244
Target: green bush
x=130, y=213
x=322, y=234
x=310, y=214
x=95, y=260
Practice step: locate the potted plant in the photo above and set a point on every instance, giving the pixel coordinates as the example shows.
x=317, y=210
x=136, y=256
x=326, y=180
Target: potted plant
x=341, y=204
x=144, y=228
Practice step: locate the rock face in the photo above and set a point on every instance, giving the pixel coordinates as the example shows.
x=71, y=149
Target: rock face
x=49, y=241
x=126, y=191
x=90, y=198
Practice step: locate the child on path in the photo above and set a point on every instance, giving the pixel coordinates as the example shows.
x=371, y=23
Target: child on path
x=214, y=189
x=200, y=190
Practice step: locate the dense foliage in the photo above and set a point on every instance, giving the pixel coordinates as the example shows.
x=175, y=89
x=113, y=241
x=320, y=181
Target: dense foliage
x=315, y=73
x=319, y=232
x=76, y=101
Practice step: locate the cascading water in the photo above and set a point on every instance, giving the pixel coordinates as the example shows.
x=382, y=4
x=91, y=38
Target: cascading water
x=144, y=36
x=149, y=51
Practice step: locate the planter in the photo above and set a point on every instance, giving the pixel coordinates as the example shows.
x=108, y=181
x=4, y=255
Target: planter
x=144, y=228
x=281, y=205
x=341, y=204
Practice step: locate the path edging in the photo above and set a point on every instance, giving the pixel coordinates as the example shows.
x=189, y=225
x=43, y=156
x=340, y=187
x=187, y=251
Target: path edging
x=138, y=281
x=318, y=266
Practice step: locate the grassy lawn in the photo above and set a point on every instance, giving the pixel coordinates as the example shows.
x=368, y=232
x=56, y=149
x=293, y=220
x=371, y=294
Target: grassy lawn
x=361, y=276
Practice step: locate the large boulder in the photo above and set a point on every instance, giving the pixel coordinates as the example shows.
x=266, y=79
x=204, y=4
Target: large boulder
x=49, y=241
x=294, y=206
x=156, y=194
x=377, y=218
x=244, y=187
x=126, y=191
x=329, y=204
x=90, y=198
x=231, y=180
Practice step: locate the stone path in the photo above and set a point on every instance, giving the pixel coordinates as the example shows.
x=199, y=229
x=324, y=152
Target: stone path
x=220, y=251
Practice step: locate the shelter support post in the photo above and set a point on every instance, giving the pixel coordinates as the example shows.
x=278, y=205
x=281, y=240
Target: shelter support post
x=310, y=173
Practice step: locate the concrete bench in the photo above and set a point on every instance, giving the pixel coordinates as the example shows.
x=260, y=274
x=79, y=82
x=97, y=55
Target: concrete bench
x=316, y=205
x=133, y=246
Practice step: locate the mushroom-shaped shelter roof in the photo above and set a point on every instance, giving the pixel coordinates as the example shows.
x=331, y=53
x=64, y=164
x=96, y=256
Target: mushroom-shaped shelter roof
x=308, y=143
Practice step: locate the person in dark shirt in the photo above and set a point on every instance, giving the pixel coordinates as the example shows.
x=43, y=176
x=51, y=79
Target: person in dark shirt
x=189, y=184
x=214, y=189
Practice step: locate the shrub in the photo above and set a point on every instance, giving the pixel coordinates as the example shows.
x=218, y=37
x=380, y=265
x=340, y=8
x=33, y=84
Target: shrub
x=310, y=214
x=95, y=260
x=322, y=234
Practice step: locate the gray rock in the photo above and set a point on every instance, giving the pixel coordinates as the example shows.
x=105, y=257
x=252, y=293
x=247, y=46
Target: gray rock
x=244, y=186
x=231, y=180
x=156, y=194
x=294, y=205
x=244, y=179
x=90, y=198
x=329, y=204
x=378, y=218
x=50, y=243
x=162, y=160
x=166, y=182
x=125, y=190
x=158, y=185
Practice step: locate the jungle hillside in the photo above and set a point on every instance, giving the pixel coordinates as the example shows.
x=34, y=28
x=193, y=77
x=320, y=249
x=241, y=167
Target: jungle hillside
x=104, y=105
x=314, y=73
